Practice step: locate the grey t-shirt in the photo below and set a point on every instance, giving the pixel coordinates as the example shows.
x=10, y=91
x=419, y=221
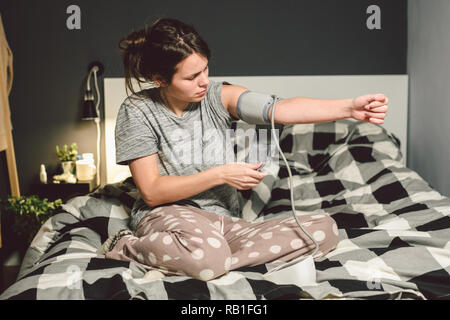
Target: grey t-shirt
x=198, y=140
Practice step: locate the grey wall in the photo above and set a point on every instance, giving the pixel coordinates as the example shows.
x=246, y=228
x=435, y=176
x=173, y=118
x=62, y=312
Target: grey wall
x=429, y=94
x=247, y=37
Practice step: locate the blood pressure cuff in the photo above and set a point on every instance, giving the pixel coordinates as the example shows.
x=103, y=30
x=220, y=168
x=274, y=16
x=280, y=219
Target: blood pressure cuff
x=253, y=107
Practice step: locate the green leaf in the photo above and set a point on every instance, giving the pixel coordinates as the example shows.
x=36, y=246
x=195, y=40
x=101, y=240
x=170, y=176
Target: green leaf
x=28, y=213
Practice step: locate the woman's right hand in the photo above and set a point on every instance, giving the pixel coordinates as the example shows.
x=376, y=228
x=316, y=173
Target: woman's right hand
x=242, y=175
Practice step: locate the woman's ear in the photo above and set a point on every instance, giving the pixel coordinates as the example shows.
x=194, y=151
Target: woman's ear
x=159, y=81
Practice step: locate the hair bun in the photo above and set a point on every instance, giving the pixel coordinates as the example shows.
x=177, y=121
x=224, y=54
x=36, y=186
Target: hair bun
x=134, y=42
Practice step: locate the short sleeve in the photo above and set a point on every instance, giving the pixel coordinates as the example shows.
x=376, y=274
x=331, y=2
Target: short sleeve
x=134, y=137
x=214, y=96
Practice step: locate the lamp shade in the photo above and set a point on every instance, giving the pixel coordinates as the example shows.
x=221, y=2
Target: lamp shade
x=89, y=112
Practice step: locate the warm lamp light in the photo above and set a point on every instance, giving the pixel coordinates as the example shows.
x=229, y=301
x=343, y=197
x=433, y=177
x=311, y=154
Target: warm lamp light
x=91, y=108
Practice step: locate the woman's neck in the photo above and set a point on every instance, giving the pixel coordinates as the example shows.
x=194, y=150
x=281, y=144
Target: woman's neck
x=176, y=106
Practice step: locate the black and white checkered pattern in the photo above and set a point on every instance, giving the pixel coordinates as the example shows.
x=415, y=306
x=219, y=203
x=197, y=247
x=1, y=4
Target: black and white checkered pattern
x=394, y=229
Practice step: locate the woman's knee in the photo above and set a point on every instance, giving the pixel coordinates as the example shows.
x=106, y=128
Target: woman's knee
x=206, y=266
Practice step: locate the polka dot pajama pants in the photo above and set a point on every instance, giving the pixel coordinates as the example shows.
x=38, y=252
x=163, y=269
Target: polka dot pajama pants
x=183, y=240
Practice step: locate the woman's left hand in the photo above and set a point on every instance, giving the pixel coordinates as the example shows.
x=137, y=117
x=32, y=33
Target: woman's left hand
x=370, y=108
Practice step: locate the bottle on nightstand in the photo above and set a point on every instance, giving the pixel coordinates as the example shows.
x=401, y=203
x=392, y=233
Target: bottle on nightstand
x=43, y=174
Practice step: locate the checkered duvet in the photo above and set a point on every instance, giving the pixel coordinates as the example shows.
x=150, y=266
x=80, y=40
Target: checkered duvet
x=394, y=229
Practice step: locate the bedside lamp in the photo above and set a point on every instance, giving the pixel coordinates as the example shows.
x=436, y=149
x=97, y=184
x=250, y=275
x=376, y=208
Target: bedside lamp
x=91, y=109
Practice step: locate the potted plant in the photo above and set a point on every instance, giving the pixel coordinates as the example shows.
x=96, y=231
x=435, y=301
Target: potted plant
x=22, y=217
x=67, y=156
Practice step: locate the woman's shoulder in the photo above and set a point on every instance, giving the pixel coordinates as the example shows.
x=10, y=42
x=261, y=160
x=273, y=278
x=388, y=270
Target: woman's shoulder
x=141, y=100
x=215, y=101
x=145, y=95
x=216, y=84
x=214, y=90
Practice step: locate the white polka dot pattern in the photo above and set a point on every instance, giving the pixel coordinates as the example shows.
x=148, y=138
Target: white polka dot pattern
x=173, y=225
x=267, y=235
x=236, y=227
x=170, y=220
x=227, y=263
x=198, y=254
x=147, y=228
x=275, y=249
x=249, y=243
x=319, y=235
x=214, y=242
x=253, y=233
x=196, y=239
x=297, y=244
x=152, y=258
x=154, y=236
x=335, y=229
x=167, y=240
x=206, y=274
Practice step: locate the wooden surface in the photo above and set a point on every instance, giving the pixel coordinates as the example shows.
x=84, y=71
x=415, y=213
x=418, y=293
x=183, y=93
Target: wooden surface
x=12, y=171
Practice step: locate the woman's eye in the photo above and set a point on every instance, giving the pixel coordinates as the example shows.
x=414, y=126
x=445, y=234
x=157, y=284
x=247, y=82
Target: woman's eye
x=195, y=76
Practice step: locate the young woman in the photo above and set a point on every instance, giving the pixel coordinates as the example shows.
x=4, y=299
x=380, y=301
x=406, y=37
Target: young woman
x=187, y=220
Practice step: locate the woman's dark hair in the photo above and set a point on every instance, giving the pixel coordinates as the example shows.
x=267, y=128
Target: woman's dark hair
x=156, y=50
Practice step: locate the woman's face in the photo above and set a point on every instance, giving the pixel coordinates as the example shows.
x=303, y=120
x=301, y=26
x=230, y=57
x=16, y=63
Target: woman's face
x=190, y=80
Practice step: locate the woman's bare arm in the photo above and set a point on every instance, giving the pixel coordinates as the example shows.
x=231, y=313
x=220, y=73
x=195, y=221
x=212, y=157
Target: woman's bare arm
x=156, y=189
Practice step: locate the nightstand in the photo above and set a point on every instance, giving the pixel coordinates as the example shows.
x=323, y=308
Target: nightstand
x=63, y=191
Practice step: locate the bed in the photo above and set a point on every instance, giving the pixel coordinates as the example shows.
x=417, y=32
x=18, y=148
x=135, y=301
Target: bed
x=394, y=228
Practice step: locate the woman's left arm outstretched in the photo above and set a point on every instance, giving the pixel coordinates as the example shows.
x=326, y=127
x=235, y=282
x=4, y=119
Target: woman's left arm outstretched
x=369, y=108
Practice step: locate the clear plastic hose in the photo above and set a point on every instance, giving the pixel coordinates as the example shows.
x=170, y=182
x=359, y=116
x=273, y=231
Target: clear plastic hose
x=294, y=261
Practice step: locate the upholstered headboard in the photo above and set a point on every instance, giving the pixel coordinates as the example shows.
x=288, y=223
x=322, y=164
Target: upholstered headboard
x=395, y=87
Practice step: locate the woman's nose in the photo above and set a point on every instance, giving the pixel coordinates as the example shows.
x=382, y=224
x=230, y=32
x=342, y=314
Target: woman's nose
x=203, y=81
